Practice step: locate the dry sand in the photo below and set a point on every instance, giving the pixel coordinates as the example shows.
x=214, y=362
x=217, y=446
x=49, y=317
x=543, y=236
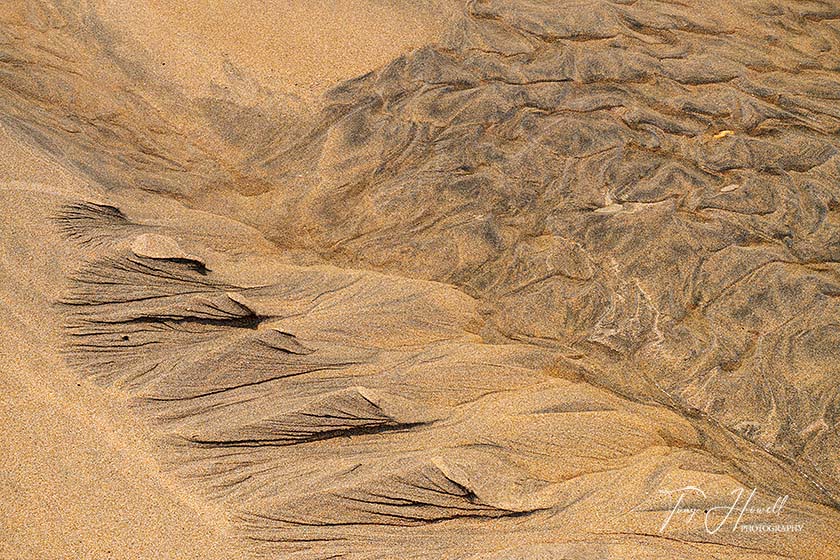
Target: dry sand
x=368, y=279
x=302, y=48
x=78, y=481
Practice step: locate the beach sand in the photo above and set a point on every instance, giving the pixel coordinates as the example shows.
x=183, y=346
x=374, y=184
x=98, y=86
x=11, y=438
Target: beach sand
x=442, y=279
x=78, y=478
x=296, y=47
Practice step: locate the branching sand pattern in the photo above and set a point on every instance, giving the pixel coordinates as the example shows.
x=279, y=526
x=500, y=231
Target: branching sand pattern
x=507, y=288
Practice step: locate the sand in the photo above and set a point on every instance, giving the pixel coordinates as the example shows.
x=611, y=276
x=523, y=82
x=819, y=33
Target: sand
x=301, y=48
x=78, y=480
x=368, y=279
x=74, y=485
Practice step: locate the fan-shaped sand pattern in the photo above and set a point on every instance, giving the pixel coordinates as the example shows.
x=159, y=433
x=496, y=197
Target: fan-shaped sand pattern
x=486, y=301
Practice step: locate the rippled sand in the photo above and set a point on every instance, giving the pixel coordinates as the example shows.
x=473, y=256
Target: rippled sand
x=369, y=279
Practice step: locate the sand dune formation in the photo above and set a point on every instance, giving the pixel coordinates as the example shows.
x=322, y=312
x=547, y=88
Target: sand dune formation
x=488, y=279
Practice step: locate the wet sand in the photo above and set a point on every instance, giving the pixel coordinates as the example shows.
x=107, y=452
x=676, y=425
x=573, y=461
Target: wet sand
x=369, y=279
